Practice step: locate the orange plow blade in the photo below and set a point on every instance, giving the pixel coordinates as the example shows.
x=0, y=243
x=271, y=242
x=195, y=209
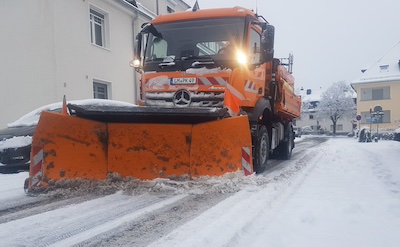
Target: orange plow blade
x=66, y=146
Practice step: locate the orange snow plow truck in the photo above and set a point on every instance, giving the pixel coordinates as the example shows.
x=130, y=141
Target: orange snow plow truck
x=213, y=99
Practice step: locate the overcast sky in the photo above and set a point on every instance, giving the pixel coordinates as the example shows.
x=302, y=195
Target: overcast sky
x=331, y=40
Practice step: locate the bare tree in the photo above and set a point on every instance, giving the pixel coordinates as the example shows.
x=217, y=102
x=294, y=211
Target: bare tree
x=337, y=103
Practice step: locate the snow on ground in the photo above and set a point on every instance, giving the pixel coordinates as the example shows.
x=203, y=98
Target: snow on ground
x=349, y=195
x=340, y=193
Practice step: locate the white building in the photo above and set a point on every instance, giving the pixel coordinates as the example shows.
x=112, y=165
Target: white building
x=379, y=86
x=309, y=120
x=81, y=49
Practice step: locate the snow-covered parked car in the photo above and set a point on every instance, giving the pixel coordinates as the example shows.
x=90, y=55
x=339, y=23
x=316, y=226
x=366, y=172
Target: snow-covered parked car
x=397, y=135
x=16, y=139
x=297, y=131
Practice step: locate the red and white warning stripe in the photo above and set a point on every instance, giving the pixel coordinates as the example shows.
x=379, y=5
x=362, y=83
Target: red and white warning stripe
x=246, y=161
x=232, y=100
x=250, y=87
x=210, y=81
x=37, y=166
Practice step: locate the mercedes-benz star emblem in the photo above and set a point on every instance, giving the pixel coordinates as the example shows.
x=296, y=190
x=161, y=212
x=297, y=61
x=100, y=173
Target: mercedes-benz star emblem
x=182, y=98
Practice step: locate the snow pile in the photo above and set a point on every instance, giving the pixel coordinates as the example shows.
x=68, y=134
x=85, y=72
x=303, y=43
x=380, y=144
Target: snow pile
x=15, y=142
x=228, y=183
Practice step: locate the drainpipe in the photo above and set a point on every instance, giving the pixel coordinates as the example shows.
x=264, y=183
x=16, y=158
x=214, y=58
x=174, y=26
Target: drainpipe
x=157, y=7
x=135, y=82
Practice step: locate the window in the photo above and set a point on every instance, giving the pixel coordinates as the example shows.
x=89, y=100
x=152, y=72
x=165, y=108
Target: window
x=255, y=50
x=176, y=40
x=98, y=28
x=100, y=90
x=368, y=94
x=339, y=127
x=384, y=68
x=311, y=117
x=170, y=10
x=377, y=93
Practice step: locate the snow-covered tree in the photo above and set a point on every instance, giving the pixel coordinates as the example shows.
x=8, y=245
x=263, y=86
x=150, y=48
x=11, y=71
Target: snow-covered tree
x=337, y=103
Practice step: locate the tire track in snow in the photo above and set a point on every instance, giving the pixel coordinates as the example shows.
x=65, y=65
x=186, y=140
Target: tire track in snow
x=75, y=223
x=259, y=203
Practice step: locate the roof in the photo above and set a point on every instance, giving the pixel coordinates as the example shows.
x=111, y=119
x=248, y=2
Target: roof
x=386, y=69
x=203, y=14
x=137, y=7
x=314, y=94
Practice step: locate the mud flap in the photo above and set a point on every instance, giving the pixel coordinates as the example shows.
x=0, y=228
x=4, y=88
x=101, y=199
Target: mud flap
x=74, y=147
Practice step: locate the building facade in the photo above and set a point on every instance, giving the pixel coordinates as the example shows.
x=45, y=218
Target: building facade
x=310, y=123
x=81, y=49
x=379, y=86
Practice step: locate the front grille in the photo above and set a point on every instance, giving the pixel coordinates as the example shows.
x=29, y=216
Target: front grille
x=198, y=99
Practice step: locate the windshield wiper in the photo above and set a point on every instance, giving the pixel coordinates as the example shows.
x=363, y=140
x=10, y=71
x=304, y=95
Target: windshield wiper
x=201, y=60
x=168, y=61
x=200, y=63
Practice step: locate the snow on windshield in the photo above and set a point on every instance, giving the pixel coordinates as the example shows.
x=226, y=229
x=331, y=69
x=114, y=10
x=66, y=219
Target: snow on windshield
x=204, y=70
x=32, y=118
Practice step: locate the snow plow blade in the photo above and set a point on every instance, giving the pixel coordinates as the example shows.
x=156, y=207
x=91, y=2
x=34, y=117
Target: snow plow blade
x=93, y=143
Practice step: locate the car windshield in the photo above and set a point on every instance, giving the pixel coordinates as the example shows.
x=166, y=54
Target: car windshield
x=192, y=39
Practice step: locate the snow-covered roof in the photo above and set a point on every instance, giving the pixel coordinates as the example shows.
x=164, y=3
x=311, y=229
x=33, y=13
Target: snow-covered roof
x=315, y=94
x=386, y=69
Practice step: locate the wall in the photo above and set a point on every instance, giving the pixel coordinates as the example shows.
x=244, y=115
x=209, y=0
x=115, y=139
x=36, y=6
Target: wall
x=47, y=53
x=27, y=64
x=79, y=61
x=392, y=104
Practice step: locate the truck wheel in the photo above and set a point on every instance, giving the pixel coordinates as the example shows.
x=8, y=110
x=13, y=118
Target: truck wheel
x=261, y=150
x=287, y=146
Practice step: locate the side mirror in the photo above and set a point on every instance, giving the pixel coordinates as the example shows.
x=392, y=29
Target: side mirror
x=267, y=43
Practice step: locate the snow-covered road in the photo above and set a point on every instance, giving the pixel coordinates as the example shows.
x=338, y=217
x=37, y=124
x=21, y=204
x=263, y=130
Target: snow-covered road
x=334, y=193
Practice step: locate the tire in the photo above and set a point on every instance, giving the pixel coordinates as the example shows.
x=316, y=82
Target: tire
x=261, y=150
x=286, y=148
x=26, y=183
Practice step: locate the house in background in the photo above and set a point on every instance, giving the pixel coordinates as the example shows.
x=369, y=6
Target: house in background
x=81, y=49
x=309, y=121
x=379, y=85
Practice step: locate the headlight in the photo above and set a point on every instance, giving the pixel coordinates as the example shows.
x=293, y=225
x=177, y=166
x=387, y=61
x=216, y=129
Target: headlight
x=241, y=57
x=135, y=63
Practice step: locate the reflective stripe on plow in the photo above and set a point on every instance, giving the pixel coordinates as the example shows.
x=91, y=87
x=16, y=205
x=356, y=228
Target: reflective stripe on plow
x=246, y=161
x=37, y=167
x=208, y=81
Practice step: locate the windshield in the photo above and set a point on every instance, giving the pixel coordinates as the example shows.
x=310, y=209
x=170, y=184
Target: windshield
x=171, y=42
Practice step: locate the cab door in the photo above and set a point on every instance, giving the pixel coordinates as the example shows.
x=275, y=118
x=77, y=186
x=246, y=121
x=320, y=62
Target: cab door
x=255, y=81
